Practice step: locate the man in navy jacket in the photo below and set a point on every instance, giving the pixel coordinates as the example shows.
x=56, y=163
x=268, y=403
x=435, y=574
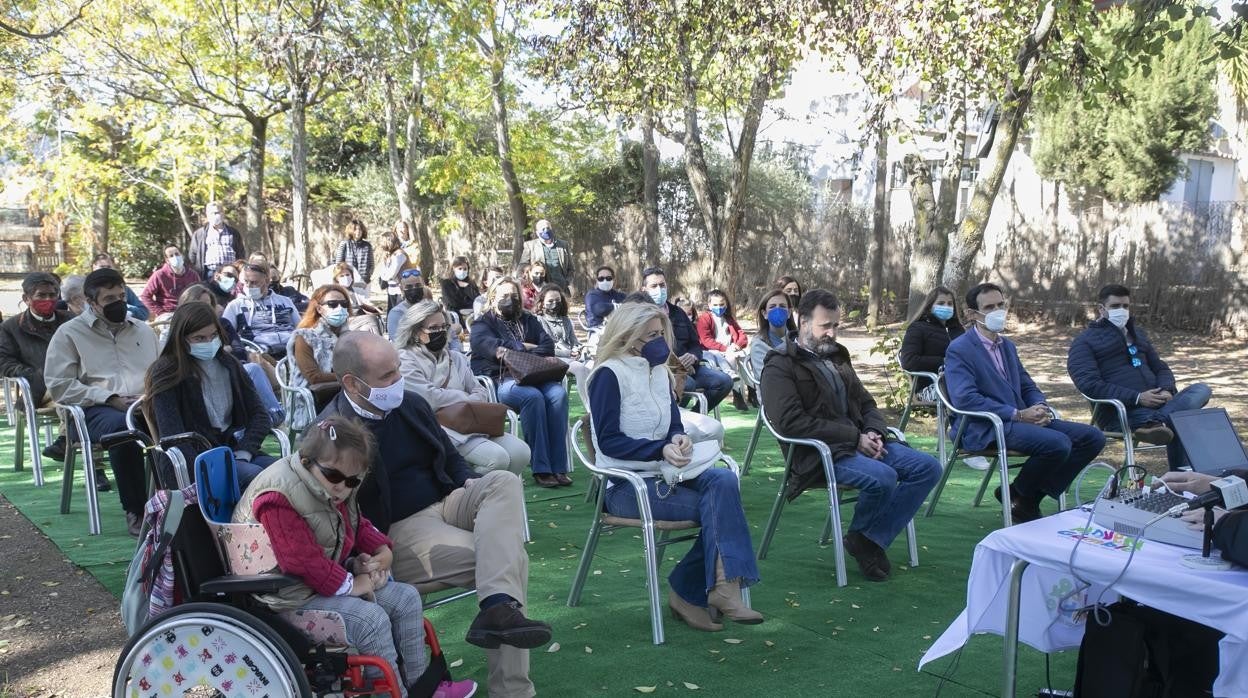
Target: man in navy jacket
x=1113, y=358
x=714, y=383
x=983, y=374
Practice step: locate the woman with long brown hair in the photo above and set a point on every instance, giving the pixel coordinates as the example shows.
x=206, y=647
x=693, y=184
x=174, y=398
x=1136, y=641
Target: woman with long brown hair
x=196, y=385
x=356, y=250
x=312, y=344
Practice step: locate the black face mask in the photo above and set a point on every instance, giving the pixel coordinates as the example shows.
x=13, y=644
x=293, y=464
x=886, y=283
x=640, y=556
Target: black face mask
x=793, y=299
x=437, y=341
x=414, y=294
x=507, y=308
x=552, y=309
x=114, y=312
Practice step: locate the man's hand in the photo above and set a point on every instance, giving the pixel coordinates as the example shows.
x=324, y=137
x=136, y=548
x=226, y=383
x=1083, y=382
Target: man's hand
x=1153, y=398
x=120, y=403
x=1182, y=481
x=871, y=445
x=1195, y=520
x=688, y=360
x=1037, y=414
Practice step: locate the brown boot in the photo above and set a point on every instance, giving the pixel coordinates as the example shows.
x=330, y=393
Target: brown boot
x=726, y=598
x=695, y=617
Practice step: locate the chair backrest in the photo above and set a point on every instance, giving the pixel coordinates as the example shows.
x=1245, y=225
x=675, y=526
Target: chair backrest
x=282, y=370
x=747, y=372
x=216, y=482
x=245, y=548
x=582, y=440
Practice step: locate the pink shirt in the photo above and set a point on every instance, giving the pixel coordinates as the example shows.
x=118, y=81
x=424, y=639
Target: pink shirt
x=993, y=347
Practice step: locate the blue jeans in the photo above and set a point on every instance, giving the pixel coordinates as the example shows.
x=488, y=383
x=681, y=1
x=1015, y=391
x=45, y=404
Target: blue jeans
x=544, y=420
x=890, y=490
x=1057, y=453
x=1193, y=397
x=126, y=459
x=713, y=382
x=248, y=470
x=265, y=389
x=713, y=499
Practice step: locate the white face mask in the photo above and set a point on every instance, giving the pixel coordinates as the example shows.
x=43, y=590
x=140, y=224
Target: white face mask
x=176, y=261
x=216, y=219
x=606, y=285
x=1118, y=316
x=386, y=398
x=995, y=321
x=255, y=293
x=461, y=274
x=347, y=281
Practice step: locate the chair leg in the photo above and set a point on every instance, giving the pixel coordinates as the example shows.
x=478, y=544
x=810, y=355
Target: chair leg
x=905, y=414
x=912, y=542
x=88, y=469
x=940, y=487
x=524, y=514
x=826, y=536
x=983, y=485
x=36, y=453
x=587, y=558
x=652, y=583
x=772, y=522
x=67, y=476
x=834, y=519
x=753, y=446
x=19, y=442
x=591, y=490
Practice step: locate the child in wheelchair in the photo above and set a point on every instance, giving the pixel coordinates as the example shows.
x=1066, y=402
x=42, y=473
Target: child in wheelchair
x=306, y=504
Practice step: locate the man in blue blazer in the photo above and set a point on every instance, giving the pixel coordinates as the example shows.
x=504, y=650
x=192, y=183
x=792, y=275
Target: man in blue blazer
x=983, y=374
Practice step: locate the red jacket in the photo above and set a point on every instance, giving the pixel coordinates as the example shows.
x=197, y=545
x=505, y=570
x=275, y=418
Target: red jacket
x=296, y=549
x=706, y=332
x=163, y=288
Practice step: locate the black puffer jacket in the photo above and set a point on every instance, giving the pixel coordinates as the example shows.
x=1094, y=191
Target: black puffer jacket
x=923, y=347
x=800, y=403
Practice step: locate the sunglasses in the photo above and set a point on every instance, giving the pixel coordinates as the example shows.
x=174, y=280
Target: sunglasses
x=409, y=273
x=1135, y=360
x=337, y=477
x=606, y=278
x=336, y=304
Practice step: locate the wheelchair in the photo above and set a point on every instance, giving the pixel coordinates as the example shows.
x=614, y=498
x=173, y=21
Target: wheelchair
x=216, y=639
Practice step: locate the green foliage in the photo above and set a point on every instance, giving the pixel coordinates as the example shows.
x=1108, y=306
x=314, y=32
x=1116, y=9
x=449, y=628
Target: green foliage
x=887, y=344
x=1126, y=144
x=139, y=231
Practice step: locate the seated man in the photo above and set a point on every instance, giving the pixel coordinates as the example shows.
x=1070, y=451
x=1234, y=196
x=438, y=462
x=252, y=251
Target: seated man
x=984, y=375
x=72, y=300
x=105, y=260
x=715, y=384
x=1113, y=358
x=166, y=284
x=602, y=299
x=98, y=361
x=24, y=342
x=810, y=391
x=448, y=525
x=261, y=316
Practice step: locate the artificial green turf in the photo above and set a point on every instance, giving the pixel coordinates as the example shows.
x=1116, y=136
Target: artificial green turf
x=818, y=639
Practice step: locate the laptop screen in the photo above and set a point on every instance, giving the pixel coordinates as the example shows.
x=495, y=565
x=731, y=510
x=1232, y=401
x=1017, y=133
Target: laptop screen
x=1209, y=440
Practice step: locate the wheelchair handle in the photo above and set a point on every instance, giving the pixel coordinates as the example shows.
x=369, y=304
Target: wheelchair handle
x=120, y=438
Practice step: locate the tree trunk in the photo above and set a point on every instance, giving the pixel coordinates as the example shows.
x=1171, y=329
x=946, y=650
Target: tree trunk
x=299, y=176
x=253, y=234
x=965, y=244
x=696, y=168
x=99, y=222
x=502, y=136
x=650, y=187
x=743, y=157
x=879, y=227
x=927, y=248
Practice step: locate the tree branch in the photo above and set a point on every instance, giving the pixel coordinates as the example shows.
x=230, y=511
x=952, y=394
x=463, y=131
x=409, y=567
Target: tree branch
x=39, y=36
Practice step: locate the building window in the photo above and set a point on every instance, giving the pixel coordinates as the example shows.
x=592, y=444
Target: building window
x=1196, y=189
x=899, y=179
x=970, y=171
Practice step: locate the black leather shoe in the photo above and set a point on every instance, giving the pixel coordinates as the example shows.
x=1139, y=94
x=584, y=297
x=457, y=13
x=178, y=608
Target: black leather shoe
x=56, y=449
x=504, y=624
x=134, y=524
x=545, y=480
x=1022, y=509
x=563, y=479
x=738, y=402
x=101, y=481
x=872, y=560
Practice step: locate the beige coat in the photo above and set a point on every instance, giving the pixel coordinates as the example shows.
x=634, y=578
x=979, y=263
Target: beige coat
x=87, y=363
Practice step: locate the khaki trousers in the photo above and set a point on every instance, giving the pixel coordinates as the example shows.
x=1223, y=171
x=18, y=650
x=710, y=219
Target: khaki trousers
x=475, y=536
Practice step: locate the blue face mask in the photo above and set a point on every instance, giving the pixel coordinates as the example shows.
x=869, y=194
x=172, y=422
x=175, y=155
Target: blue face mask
x=719, y=310
x=336, y=317
x=659, y=295
x=942, y=312
x=656, y=351
x=778, y=317
x=205, y=351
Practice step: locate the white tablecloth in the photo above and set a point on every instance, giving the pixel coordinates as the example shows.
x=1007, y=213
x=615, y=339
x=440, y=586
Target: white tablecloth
x=1155, y=578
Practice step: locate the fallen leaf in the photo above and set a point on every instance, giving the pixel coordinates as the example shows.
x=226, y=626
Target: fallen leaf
x=51, y=584
x=589, y=650
x=876, y=629
x=732, y=641
x=552, y=524
x=854, y=605
x=5, y=619
x=554, y=647
x=769, y=643
x=644, y=689
x=457, y=662
x=691, y=686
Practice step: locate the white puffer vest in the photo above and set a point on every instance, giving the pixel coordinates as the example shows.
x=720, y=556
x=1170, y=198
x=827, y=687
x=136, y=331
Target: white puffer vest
x=645, y=407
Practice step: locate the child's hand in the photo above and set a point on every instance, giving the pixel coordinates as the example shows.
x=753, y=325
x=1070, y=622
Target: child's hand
x=366, y=564
x=361, y=585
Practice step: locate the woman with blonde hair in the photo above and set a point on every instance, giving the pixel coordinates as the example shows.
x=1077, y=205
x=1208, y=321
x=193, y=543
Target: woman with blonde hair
x=637, y=426
x=506, y=327
x=443, y=378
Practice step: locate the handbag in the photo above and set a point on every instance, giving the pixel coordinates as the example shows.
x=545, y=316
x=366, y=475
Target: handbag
x=489, y=418
x=531, y=369
x=679, y=372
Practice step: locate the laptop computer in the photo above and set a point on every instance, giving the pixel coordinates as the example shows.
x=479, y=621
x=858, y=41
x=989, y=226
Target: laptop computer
x=1212, y=446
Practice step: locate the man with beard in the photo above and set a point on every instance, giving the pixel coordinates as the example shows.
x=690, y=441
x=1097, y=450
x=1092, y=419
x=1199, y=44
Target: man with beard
x=810, y=391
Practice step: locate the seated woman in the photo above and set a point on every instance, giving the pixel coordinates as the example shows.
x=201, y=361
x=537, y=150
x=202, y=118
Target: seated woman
x=443, y=377
x=224, y=284
x=775, y=324
x=196, y=385
x=552, y=312
x=792, y=289
x=459, y=291
x=532, y=277
x=365, y=315
x=307, y=506
x=637, y=426
x=259, y=375
x=312, y=344
x=506, y=327
x=724, y=342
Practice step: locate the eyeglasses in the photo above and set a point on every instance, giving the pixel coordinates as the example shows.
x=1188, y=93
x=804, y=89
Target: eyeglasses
x=336, y=304
x=606, y=278
x=337, y=478
x=1135, y=360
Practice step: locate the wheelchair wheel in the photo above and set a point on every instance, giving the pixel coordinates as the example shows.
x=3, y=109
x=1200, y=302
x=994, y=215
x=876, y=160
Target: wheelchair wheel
x=202, y=648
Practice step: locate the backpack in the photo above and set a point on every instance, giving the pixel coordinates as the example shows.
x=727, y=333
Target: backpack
x=1146, y=653
x=150, y=589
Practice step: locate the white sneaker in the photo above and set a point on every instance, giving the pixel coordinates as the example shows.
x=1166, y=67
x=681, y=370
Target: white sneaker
x=977, y=463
